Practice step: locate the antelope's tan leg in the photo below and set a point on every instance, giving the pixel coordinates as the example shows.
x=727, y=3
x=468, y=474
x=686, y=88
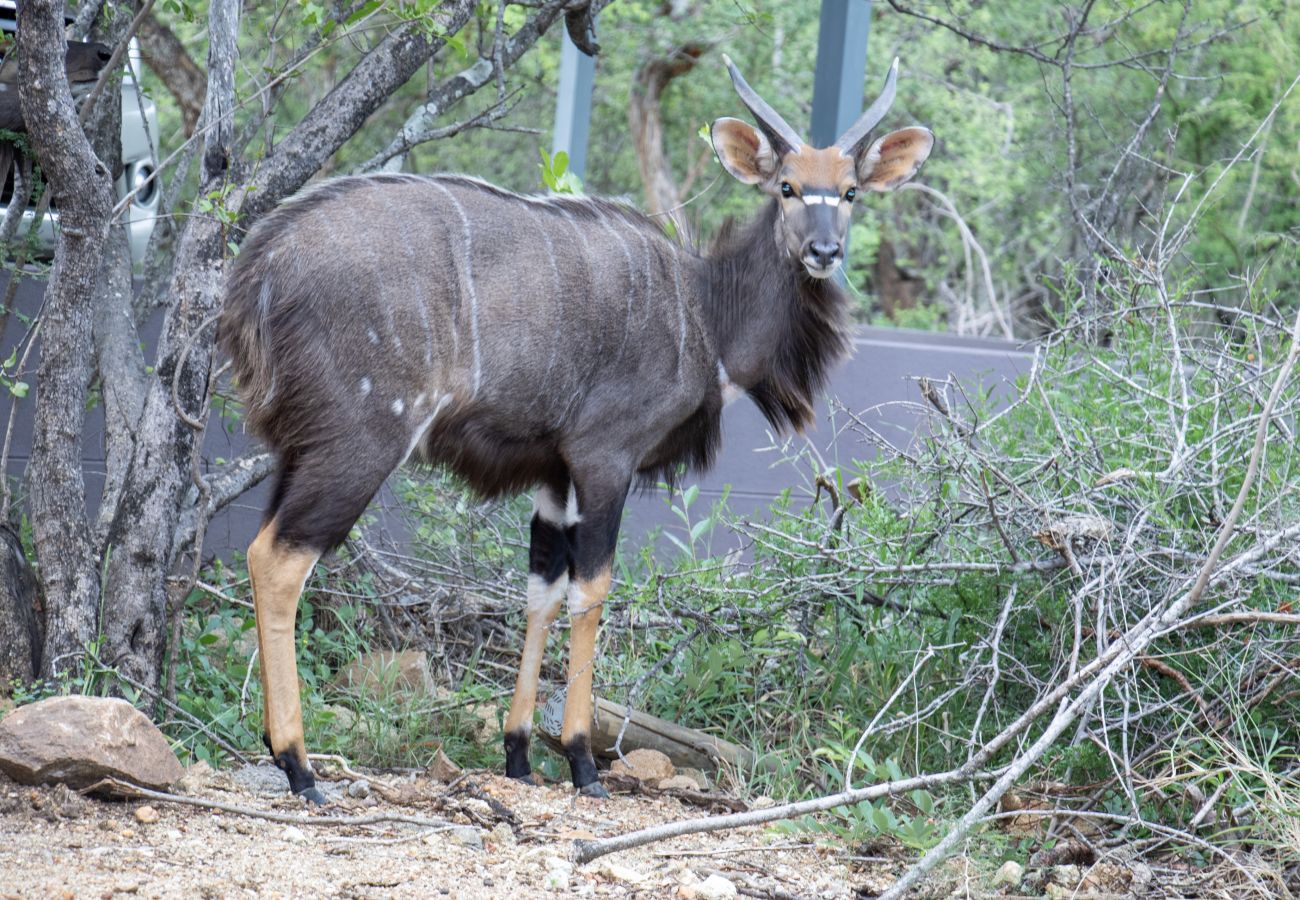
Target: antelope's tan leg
x=548, y=576
x=586, y=603
x=278, y=573
x=543, y=604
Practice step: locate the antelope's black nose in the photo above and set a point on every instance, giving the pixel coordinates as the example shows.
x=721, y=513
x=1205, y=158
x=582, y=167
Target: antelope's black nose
x=822, y=253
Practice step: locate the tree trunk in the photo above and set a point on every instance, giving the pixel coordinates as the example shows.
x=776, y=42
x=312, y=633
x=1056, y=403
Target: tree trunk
x=20, y=629
x=139, y=537
x=895, y=288
x=82, y=191
x=645, y=118
x=171, y=62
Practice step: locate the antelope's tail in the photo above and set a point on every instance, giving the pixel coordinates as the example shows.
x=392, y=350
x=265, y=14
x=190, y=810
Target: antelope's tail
x=244, y=331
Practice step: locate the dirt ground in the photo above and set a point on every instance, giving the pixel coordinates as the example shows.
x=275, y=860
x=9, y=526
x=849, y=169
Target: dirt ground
x=509, y=840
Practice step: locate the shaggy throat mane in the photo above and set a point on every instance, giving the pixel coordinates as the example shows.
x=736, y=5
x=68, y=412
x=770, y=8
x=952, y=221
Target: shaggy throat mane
x=777, y=329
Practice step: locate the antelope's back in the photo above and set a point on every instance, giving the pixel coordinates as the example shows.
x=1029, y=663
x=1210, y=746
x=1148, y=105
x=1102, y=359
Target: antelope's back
x=535, y=316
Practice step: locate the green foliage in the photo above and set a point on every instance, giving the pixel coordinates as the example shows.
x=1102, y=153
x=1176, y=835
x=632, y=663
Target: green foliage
x=556, y=176
x=219, y=691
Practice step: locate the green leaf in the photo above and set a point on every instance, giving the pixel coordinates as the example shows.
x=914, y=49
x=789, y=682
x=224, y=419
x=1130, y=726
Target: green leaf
x=689, y=495
x=19, y=388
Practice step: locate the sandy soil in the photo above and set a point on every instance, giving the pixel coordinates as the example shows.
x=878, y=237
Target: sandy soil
x=513, y=841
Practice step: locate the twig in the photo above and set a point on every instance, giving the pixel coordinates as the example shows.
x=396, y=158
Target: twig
x=585, y=850
x=324, y=821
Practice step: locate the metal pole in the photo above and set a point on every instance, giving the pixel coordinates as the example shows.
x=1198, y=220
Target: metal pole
x=841, y=68
x=573, y=106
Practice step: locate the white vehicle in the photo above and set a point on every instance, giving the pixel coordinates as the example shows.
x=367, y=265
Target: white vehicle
x=139, y=158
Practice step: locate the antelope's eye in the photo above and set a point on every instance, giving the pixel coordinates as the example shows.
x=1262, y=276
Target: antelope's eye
x=850, y=194
x=786, y=190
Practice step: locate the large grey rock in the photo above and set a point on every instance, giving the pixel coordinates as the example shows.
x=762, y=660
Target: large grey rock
x=81, y=740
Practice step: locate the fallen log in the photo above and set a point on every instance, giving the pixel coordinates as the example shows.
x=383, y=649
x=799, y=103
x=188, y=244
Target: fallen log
x=686, y=747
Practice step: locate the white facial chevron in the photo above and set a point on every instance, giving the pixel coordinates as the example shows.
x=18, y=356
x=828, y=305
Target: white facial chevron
x=828, y=199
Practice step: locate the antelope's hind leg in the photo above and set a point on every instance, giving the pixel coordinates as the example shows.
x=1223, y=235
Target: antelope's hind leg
x=595, y=536
x=278, y=572
x=318, y=500
x=548, y=576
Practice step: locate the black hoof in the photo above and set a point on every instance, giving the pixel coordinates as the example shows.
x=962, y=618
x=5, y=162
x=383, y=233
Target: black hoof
x=313, y=796
x=595, y=789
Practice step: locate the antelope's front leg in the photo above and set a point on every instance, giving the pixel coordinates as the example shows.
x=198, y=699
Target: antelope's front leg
x=548, y=576
x=595, y=537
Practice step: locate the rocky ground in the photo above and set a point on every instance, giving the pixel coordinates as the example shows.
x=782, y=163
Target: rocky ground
x=504, y=839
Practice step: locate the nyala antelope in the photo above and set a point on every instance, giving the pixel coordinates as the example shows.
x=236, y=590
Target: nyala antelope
x=561, y=344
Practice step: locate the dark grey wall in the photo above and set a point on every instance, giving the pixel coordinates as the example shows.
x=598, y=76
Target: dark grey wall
x=883, y=370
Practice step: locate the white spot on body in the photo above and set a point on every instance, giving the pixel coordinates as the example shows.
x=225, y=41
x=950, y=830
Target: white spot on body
x=571, y=516
x=373, y=335
x=398, y=406
x=547, y=507
x=730, y=390
x=424, y=425
x=364, y=387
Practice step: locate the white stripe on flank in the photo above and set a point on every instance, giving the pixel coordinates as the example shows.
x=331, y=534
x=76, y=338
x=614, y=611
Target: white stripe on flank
x=467, y=270
x=632, y=287
x=412, y=268
x=558, y=294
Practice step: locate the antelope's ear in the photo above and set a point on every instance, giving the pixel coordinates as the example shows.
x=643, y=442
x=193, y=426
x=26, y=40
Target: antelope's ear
x=894, y=158
x=743, y=151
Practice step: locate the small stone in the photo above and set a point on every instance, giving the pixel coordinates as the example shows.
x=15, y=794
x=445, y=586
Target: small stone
x=715, y=887
x=555, y=863
x=678, y=783
x=196, y=777
x=555, y=880
x=359, y=789
x=466, y=836
x=442, y=768
x=344, y=719
x=616, y=872
x=477, y=807
x=1009, y=874
x=696, y=775
x=146, y=815
x=293, y=834
x=762, y=801
x=128, y=833
x=645, y=764
x=502, y=835
x=1067, y=876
